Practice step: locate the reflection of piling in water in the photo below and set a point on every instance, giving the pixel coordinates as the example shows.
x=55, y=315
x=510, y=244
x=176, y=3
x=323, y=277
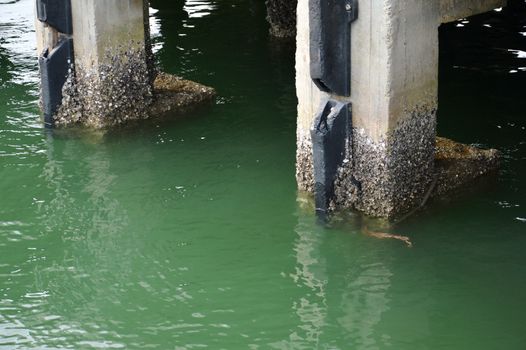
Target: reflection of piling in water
x=345, y=289
x=106, y=75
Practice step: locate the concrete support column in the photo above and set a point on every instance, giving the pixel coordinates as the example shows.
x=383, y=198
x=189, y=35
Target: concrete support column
x=112, y=77
x=111, y=81
x=394, y=81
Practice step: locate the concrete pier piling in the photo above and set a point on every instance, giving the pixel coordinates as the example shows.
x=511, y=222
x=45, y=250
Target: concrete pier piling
x=112, y=76
x=107, y=72
x=109, y=75
x=371, y=64
x=390, y=164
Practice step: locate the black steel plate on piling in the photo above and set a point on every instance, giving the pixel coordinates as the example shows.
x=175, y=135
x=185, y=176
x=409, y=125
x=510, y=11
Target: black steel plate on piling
x=54, y=69
x=56, y=13
x=330, y=44
x=330, y=140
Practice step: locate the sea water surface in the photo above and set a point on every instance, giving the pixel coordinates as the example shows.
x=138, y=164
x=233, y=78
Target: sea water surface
x=189, y=233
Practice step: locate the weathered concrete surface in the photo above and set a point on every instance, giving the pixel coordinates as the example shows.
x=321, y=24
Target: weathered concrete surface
x=111, y=93
x=391, y=176
x=394, y=84
x=457, y=164
x=175, y=95
x=309, y=98
x=102, y=26
x=281, y=15
x=170, y=95
x=112, y=82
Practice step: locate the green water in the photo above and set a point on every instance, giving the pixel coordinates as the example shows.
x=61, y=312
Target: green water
x=188, y=234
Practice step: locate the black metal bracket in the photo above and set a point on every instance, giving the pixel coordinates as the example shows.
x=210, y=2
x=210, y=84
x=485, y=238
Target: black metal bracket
x=331, y=137
x=54, y=69
x=55, y=63
x=56, y=13
x=330, y=44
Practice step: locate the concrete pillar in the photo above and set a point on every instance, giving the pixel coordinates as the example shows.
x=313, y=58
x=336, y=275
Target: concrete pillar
x=112, y=81
x=394, y=80
x=112, y=77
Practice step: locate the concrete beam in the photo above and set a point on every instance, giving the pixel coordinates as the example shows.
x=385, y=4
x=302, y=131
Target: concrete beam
x=451, y=10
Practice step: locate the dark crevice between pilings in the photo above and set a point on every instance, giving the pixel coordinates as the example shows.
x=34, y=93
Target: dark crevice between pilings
x=150, y=58
x=281, y=15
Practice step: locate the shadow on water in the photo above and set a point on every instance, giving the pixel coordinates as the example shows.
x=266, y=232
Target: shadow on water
x=7, y=67
x=482, y=55
x=481, y=96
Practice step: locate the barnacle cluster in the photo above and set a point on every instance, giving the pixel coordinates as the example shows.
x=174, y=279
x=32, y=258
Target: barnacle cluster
x=119, y=89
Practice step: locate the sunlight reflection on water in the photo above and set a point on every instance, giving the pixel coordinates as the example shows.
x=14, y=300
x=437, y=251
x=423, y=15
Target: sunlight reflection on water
x=199, y=8
x=18, y=39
